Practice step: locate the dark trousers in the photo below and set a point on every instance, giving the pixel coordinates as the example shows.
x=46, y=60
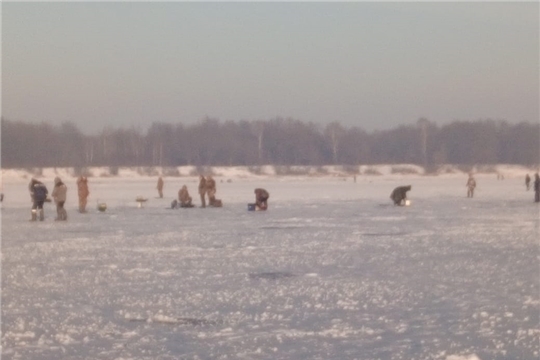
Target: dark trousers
x=203, y=200
x=60, y=211
x=38, y=204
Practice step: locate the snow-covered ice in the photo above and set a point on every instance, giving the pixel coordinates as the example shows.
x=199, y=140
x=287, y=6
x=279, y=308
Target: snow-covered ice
x=331, y=271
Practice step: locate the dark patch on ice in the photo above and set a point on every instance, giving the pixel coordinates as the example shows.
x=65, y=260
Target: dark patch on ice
x=137, y=320
x=271, y=275
x=385, y=234
x=198, y=322
x=182, y=321
x=280, y=227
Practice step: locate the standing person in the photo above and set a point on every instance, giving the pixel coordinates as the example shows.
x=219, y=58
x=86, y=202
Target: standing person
x=471, y=184
x=202, y=190
x=184, y=198
x=211, y=190
x=527, y=182
x=59, y=194
x=261, y=199
x=38, y=194
x=83, y=192
x=160, y=186
x=536, y=187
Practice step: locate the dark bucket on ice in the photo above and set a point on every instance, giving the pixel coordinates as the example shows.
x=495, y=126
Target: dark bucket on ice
x=251, y=207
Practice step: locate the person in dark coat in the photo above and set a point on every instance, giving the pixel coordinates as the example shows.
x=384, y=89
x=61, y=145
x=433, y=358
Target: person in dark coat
x=527, y=182
x=536, y=187
x=261, y=199
x=399, y=195
x=38, y=194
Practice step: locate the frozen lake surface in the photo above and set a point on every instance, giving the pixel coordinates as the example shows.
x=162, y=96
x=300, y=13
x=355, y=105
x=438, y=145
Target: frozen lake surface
x=331, y=271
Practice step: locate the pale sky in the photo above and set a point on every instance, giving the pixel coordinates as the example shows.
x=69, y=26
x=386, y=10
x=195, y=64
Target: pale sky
x=370, y=64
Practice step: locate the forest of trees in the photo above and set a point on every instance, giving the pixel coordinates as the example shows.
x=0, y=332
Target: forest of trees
x=278, y=142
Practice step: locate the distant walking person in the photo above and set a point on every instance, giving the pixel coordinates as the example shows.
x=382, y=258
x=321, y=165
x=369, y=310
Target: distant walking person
x=160, y=186
x=261, y=199
x=536, y=188
x=471, y=185
x=38, y=194
x=59, y=194
x=83, y=192
x=202, y=190
x=527, y=182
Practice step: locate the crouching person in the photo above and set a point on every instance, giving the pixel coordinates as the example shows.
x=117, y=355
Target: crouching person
x=59, y=196
x=399, y=195
x=184, y=198
x=261, y=199
x=38, y=194
x=211, y=190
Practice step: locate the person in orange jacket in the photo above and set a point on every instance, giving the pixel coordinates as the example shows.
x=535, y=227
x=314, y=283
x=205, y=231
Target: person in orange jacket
x=83, y=192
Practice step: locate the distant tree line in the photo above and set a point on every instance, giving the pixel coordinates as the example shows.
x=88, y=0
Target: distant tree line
x=278, y=142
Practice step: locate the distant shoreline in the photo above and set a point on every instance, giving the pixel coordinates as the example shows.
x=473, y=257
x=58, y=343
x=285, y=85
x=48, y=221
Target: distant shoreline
x=265, y=171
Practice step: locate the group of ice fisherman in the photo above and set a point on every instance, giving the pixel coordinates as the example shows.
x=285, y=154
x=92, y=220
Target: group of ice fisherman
x=207, y=189
x=39, y=195
x=399, y=195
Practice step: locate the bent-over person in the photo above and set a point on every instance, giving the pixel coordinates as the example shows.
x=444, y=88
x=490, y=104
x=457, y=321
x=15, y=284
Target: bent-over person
x=399, y=194
x=261, y=199
x=184, y=198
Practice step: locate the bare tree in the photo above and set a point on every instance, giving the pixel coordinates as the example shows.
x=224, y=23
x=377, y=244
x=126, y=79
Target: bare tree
x=334, y=132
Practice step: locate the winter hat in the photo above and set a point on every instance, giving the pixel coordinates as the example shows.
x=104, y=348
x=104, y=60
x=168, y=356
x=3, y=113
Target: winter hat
x=57, y=180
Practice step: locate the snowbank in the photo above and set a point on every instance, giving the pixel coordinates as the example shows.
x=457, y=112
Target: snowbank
x=247, y=172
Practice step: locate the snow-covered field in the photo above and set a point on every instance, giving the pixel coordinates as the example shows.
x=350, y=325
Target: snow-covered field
x=331, y=271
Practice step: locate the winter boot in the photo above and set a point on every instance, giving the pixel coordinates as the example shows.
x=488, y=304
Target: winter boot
x=41, y=215
x=34, y=215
